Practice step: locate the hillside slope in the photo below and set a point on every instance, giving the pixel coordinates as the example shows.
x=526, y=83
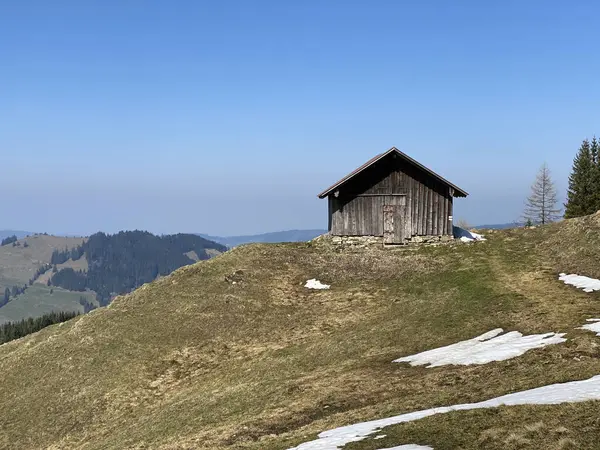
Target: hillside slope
x=235, y=352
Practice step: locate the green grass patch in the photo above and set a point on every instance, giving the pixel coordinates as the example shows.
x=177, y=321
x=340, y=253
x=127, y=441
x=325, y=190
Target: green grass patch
x=39, y=299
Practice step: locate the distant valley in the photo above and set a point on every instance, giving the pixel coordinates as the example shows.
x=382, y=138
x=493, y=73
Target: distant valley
x=41, y=273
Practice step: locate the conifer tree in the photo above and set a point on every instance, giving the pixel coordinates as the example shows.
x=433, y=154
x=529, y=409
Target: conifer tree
x=595, y=175
x=584, y=193
x=540, y=207
x=15, y=330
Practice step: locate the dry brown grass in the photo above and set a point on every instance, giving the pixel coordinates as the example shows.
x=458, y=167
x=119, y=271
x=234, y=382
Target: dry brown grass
x=235, y=353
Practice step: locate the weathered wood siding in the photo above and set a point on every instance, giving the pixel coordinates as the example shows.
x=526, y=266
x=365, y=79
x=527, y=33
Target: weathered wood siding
x=426, y=203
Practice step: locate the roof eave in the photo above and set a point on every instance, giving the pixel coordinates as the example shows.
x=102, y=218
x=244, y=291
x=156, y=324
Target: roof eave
x=356, y=171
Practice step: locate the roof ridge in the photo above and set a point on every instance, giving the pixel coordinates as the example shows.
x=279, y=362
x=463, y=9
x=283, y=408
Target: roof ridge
x=380, y=156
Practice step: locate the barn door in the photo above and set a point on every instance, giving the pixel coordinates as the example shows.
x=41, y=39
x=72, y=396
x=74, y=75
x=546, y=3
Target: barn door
x=393, y=224
x=389, y=211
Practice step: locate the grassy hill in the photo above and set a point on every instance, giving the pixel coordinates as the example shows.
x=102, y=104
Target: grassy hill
x=194, y=360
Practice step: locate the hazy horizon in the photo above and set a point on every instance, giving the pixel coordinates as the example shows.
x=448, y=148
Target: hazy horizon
x=5, y=232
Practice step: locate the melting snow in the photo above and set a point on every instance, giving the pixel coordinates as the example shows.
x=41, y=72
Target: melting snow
x=466, y=235
x=594, y=326
x=579, y=281
x=571, y=392
x=316, y=284
x=483, y=349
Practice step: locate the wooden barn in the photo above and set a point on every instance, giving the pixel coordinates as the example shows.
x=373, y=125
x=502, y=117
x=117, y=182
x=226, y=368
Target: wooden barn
x=394, y=197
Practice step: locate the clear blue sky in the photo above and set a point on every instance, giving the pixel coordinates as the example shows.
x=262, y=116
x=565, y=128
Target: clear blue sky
x=228, y=117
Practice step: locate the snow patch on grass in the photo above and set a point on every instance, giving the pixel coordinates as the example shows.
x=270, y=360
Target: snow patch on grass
x=316, y=284
x=553, y=394
x=581, y=282
x=483, y=349
x=466, y=235
x=594, y=326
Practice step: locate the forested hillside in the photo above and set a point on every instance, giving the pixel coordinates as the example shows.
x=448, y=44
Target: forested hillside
x=14, y=330
x=121, y=262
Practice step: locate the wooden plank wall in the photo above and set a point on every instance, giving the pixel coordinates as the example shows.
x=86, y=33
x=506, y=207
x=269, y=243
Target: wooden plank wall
x=362, y=216
x=430, y=203
x=358, y=211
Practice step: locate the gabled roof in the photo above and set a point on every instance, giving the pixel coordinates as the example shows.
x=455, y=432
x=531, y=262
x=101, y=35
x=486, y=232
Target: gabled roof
x=458, y=192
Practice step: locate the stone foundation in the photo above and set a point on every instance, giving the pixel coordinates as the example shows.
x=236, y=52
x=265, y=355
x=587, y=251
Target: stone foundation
x=366, y=241
x=357, y=241
x=430, y=239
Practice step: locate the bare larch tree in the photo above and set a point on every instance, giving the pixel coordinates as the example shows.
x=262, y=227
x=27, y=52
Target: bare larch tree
x=540, y=207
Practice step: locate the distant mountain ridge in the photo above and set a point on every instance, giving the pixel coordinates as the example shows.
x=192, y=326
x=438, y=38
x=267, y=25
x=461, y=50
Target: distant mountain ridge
x=272, y=237
x=300, y=235
x=42, y=273
x=18, y=233
x=121, y=262
x=497, y=226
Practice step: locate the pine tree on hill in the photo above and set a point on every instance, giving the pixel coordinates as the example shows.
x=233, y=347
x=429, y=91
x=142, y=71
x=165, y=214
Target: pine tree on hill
x=583, y=193
x=540, y=207
x=595, y=176
x=14, y=330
